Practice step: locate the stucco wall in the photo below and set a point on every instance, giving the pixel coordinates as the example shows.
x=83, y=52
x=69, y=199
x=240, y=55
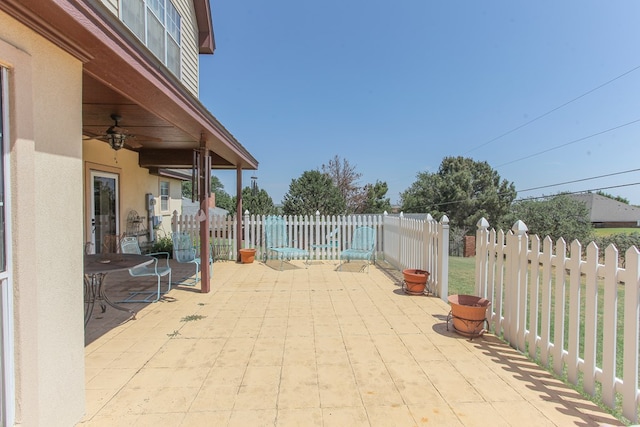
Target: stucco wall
x=46, y=197
x=135, y=182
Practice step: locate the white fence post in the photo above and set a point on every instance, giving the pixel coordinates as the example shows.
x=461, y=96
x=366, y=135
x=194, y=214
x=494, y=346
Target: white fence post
x=482, y=258
x=631, y=330
x=443, y=258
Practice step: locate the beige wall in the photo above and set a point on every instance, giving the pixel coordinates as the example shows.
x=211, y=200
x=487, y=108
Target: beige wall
x=47, y=201
x=135, y=182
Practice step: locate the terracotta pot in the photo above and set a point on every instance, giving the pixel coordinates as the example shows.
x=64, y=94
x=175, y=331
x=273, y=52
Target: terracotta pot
x=415, y=281
x=247, y=255
x=469, y=314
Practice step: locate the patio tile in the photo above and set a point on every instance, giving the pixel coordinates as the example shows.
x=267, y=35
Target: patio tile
x=299, y=417
x=208, y=418
x=345, y=416
x=391, y=416
x=215, y=398
x=310, y=346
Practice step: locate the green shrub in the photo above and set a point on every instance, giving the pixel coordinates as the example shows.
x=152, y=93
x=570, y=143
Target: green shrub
x=163, y=244
x=622, y=241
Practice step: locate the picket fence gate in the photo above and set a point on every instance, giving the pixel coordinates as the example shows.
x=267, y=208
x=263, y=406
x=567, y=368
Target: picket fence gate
x=546, y=304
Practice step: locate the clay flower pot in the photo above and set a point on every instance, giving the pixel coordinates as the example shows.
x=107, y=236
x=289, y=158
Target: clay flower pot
x=469, y=314
x=247, y=255
x=415, y=281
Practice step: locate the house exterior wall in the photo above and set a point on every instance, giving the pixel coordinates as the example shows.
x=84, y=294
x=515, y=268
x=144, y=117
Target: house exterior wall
x=188, y=41
x=45, y=93
x=135, y=182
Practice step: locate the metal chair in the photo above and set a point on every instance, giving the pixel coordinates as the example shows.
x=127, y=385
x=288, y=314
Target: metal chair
x=129, y=245
x=277, y=241
x=363, y=244
x=184, y=251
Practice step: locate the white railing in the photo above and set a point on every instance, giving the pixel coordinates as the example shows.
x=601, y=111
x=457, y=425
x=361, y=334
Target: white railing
x=403, y=242
x=563, y=310
x=421, y=244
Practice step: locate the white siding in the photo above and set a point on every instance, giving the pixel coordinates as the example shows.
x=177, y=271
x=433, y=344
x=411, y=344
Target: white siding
x=189, y=40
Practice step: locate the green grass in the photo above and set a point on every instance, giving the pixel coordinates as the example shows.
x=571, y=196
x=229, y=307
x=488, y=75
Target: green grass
x=609, y=231
x=462, y=275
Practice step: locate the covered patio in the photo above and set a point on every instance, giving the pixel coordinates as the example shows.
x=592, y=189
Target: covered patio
x=309, y=346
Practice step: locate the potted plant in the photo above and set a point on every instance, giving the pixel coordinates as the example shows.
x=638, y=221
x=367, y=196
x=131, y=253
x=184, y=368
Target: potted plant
x=469, y=314
x=415, y=281
x=247, y=255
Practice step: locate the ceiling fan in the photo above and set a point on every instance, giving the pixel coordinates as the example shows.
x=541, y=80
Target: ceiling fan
x=118, y=137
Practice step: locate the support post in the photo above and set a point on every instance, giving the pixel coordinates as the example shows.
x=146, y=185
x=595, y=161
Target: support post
x=204, y=177
x=239, y=237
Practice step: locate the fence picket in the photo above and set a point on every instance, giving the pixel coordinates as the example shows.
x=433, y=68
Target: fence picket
x=591, y=318
x=610, y=319
x=631, y=330
x=574, y=311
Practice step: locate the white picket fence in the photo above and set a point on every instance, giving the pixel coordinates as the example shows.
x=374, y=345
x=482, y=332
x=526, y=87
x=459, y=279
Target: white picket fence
x=546, y=304
x=403, y=242
x=322, y=236
x=419, y=244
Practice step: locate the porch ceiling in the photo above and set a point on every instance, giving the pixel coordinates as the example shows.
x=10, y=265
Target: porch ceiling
x=158, y=142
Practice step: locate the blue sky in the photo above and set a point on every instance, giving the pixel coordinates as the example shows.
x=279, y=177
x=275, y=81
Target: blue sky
x=394, y=87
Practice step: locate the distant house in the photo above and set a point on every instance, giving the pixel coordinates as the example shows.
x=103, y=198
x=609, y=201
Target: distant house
x=192, y=208
x=605, y=212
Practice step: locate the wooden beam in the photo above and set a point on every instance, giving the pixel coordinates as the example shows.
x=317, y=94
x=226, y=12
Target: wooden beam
x=176, y=158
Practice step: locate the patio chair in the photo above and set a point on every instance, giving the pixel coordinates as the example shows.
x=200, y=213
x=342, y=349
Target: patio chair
x=277, y=242
x=363, y=244
x=158, y=268
x=184, y=251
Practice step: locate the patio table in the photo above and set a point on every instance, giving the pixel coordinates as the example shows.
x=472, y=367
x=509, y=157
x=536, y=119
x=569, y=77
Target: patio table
x=96, y=268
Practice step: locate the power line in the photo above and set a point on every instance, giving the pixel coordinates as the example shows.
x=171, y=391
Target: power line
x=553, y=110
x=569, y=143
x=455, y=202
x=577, y=180
x=579, y=192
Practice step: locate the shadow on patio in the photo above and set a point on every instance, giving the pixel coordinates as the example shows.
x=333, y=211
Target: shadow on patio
x=309, y=346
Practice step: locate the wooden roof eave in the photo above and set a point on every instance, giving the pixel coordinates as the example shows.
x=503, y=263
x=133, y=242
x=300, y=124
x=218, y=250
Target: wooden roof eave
x=114, y=57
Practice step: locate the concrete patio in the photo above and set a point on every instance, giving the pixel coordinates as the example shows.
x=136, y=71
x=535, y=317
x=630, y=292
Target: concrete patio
x=308, y=347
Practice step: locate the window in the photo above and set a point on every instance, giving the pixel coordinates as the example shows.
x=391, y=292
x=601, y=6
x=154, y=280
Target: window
x=157, y=24
x=164, y=196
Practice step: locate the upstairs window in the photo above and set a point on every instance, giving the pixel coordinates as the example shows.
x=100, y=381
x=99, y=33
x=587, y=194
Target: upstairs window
x=157, y=24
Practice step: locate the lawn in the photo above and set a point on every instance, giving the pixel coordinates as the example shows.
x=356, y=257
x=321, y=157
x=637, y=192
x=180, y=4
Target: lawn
x=609, y=231
x=462, y=275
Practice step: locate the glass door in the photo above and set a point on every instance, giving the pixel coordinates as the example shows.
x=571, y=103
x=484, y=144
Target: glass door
x=7, y=378
x=104, y=206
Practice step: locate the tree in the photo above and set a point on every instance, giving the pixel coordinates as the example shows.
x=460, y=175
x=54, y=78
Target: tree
x=559, y=216
x=223, y=199
x=256, y=201
x=610, y=196
x=345, y=178
x=375, y=201
x=313, y=191
x=463, y=189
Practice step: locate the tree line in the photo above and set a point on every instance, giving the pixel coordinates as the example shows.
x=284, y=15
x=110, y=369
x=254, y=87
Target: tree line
x=462, y=188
